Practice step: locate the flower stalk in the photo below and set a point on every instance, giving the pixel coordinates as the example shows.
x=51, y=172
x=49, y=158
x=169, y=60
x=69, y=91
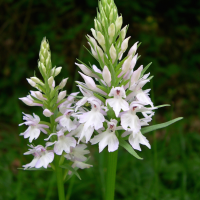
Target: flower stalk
x=111, y=175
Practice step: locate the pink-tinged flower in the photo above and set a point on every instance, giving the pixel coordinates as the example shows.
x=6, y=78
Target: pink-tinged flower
x=86, y=71
x=106, y=75
x=32, y=83
x=91, y=84
x=78, y=153
x=67, y=104
x=80, y=165
x=47, y=113
x=33, y=131
x=87, y=94
x=96, y=69
x=133, y=49
x=135, y=139
x=64, y=142
x=138, y=94
x=42, y=157
x=65, y=120
x=124, y=46
x=61, y=95
x=93, y=118
x=108, y=137
x=130, y=119
x=29, y=101
x=125, y=66
x=117, y=103
x=38, y=95
x=63, y=83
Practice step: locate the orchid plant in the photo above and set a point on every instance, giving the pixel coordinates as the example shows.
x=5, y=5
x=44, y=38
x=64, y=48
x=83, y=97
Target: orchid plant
x=111, y=111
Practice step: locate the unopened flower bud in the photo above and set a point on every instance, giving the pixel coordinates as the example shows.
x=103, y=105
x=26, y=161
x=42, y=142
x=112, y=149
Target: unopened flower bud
x=100, y=39
x=111, y=31
x=37, y=80
x=47, y=113
x=126, y=64
x=41, y=58
x=27, y=101
x=39, y=95
x=133, y=61
x=61, y=95
x=44, y=43
x=123, y=33
x=94, y=53
x=85, y=70
x=43, y=68
x=50, y=81
x=106, y=75
x=100, y=52
x=53, y=71
x=89, y=81
x=125, y=44
x=57, y=70
x=118, y=23
x=63, y=83
x=94, y=33
x=133, y=49
x=111, y=16
x=48, y=60
x=113, y=53
x=92, y=40
x=32, y=83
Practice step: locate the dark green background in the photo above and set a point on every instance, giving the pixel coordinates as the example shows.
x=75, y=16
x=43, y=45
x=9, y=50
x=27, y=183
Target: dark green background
x=169, y=32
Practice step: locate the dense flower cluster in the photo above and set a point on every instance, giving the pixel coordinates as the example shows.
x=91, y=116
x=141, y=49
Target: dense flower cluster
x=113, y=106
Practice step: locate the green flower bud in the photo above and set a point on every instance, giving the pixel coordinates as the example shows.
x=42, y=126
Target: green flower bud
x=111, y=32
x=100, y=39
x=94, y=33
x=37, y=80
x=111, y=16
x=113, y=53
x=43, y=68
x=50, y=81
x=123, y=33
x=57, y=70
x=118, y=23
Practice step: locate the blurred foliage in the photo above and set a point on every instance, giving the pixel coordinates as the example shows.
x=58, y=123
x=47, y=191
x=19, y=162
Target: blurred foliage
x=169, y=32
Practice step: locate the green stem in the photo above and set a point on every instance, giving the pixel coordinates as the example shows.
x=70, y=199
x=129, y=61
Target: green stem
x=111, y=175
x=60, y=184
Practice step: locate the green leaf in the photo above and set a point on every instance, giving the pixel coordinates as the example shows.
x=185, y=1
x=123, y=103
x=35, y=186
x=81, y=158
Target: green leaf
x=66, y=166
x=110, y=112
x=104, y=88
x=99, y=97
x=159, y=126
x=129, y=148
x=46, y=123
x=160, y=106
x=139, y=45
x=35, y=169
x=145, y=69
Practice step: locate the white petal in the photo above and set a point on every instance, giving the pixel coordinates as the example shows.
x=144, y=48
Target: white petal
x=106, y=75
x=130, y=120
x=82, y=165
x=89, y=81
x=59, y=147
x=143, y=140
x=113, y=143
x=34, y=133
x=67, y=122
x=134, y=141
x=32, y=163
